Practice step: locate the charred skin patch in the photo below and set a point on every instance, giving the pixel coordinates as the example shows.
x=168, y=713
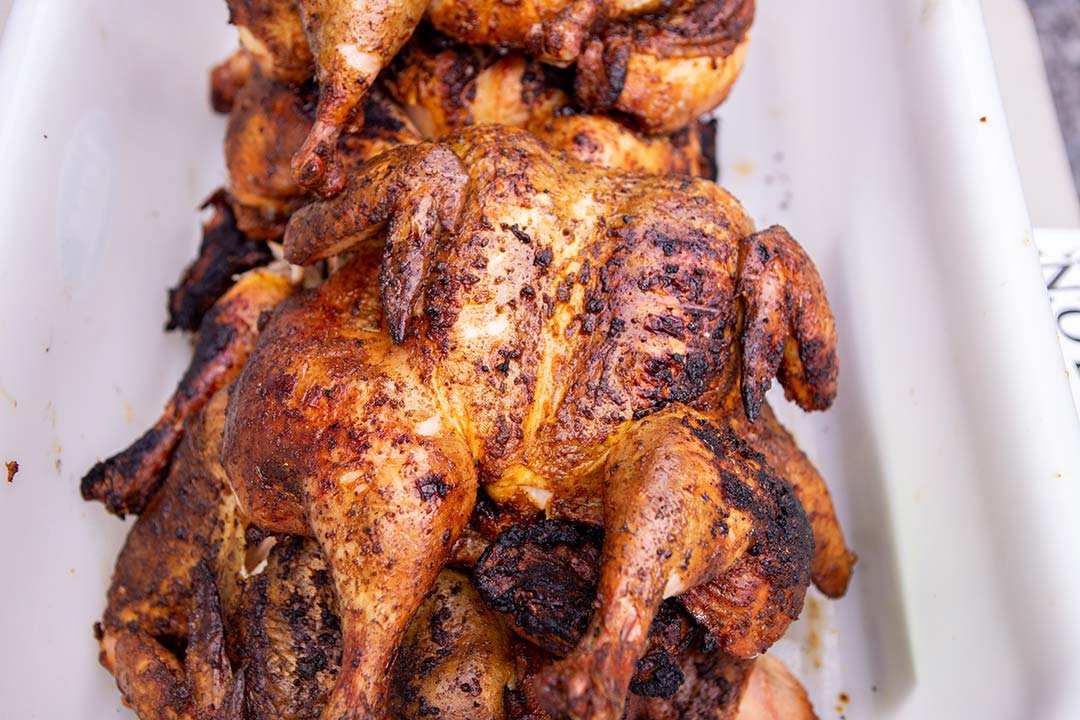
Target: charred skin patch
x=224, y=253
x=751, y=604
x=543, y=578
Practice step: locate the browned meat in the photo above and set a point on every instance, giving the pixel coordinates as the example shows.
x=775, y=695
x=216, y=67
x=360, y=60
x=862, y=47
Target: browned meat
x=227, y=78
x=455, y=659
x=225, y=252
x=291, y=637
x=126, y=481
x=543, y=324
x=666, y=69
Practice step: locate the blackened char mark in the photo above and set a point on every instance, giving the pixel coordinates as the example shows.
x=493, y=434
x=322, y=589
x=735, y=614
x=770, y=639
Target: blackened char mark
x=543, y=578
x=225, y=252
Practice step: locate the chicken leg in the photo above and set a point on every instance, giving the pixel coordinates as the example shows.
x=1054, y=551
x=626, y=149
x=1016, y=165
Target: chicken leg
x=683, y=503
x=350, y=49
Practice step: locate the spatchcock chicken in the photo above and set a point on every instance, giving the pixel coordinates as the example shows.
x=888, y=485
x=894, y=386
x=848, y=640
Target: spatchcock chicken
x=662, y=64
x=564, y=339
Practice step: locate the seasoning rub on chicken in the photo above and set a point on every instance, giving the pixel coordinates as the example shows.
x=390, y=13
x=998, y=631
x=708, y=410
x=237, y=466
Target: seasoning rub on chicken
x=543, y=330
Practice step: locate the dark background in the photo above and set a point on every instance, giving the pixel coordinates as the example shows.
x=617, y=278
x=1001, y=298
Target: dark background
x=1058, y=22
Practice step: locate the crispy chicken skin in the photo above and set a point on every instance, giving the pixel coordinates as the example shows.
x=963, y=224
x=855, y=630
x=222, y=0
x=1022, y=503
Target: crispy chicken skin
x=454, y=663
x=665, y=70
x=126, y=481
x=352, y=42
x=445, y=85
x=542, y=325
x=269, y=121
x=455, y=659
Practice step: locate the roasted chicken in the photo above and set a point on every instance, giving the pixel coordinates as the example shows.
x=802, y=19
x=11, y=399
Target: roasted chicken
x=507, y=455
x=540, y=330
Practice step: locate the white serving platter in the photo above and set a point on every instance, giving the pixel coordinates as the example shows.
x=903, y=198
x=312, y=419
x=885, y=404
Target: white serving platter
x=953, y=450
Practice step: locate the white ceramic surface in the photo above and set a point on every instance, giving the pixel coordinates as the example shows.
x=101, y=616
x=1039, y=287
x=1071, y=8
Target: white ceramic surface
x=952, y=450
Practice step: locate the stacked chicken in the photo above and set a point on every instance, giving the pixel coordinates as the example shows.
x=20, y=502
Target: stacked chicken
x=475, y=425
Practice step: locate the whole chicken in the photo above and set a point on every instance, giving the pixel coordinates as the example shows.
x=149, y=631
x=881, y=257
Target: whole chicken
x=539, y=329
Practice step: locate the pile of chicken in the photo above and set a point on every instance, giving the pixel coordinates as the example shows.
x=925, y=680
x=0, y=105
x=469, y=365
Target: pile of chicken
x=475, y=426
